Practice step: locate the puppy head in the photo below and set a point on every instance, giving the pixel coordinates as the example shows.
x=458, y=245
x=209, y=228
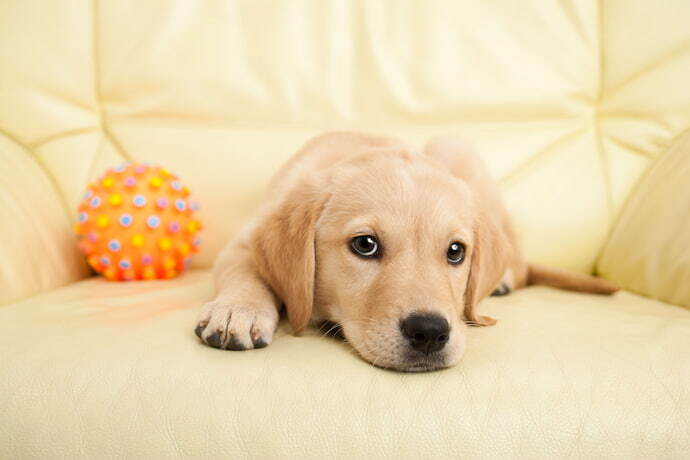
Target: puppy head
x=386, y=244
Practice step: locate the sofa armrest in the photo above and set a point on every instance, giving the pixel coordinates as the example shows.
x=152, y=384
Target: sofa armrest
x=38, y=250
x=649, y=249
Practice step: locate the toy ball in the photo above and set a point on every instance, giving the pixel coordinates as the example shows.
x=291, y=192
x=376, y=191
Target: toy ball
x=136, y=222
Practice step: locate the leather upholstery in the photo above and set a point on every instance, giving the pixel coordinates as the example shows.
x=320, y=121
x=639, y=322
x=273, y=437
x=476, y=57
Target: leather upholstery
x=98, y=369
x=569, y=103
x=648, y=251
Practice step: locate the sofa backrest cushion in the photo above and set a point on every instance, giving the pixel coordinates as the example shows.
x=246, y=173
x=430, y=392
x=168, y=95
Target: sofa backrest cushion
x=567, y=102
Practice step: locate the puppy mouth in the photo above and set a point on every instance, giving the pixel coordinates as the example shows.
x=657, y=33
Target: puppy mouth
x=409, y=361
x=414, y=362
x=332, y=329
x=413, y=366
x=424, y=363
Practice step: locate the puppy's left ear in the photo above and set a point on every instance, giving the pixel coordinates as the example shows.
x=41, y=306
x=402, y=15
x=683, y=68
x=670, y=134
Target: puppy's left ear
x=283, y=247
x=489, y=255
x=487, y=266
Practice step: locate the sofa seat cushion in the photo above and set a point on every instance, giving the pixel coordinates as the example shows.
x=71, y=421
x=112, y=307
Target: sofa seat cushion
x=99, y=369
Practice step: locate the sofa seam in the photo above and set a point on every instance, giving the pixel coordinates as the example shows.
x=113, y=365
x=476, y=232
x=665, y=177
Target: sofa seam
x=76, y=132
x=42, y=166
x=671, y=55
x=598, y=130
x=627, y=203
x=545, y=153
x=61, y=135
x=98, y=89
x=632, y=149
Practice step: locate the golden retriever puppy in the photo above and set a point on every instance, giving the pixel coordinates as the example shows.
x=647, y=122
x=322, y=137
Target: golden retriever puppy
x=397, y=247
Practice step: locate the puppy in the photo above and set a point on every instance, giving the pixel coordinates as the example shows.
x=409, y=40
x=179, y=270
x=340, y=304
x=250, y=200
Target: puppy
x=396, y=247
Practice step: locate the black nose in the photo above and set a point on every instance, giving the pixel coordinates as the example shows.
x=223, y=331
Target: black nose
x=426, y=332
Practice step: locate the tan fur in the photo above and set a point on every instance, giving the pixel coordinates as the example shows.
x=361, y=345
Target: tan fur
x=283, y=249
x=340, y=185
x=561, y=279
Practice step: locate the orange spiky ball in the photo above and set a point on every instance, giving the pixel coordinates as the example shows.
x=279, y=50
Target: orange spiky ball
x=136, y=222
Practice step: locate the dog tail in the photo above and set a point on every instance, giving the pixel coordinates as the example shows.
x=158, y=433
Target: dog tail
x=561, y=279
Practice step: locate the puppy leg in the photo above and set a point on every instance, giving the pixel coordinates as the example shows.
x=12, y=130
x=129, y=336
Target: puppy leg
x=244, y=314
x=506, y=286
x=501, y=290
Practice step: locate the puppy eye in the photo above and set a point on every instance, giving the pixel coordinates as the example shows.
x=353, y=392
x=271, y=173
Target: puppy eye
x=456, y=253
x=365, y=246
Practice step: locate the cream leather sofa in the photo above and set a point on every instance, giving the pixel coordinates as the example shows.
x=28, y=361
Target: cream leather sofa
x=571, y=103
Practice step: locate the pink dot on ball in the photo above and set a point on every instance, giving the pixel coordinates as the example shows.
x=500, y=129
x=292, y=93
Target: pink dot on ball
x=174, y=227
x=84, y=247
x=130, y=181
x=162, y=203
x=146, y=259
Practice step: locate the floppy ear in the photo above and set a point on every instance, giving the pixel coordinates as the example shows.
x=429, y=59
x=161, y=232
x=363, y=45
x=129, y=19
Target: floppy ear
x=487, y=266
x=488, y=256
x=283, y=247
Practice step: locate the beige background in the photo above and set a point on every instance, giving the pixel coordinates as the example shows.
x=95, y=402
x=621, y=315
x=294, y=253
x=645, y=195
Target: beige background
x=568, y=102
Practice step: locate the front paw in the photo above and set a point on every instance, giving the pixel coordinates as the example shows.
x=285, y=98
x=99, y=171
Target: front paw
x=226, y=325
x=501, y=290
